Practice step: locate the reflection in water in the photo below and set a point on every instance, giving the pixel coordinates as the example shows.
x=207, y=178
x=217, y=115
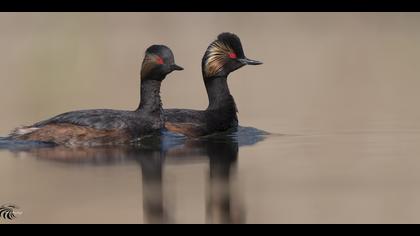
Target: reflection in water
x=152, y=154
x=221, y=153
x=151, y=162
x=221, y=207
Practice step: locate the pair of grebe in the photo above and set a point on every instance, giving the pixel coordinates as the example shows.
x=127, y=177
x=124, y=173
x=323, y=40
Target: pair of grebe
x=105, y=126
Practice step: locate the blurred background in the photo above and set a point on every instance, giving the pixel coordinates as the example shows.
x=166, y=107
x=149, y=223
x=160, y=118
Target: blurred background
x=321, y=70
x=342, y=87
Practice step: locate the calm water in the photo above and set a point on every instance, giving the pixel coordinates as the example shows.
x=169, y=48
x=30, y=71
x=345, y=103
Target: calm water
x=337, y=91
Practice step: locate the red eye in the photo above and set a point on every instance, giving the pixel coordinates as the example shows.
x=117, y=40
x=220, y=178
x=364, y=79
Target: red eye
x=159, y=60
x=232, y=55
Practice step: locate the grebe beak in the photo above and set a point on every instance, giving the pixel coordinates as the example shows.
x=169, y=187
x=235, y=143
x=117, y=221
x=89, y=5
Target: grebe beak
x=176, y=67
x=247, y=61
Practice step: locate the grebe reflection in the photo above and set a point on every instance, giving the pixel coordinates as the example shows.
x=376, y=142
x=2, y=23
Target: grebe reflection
x=220, y=154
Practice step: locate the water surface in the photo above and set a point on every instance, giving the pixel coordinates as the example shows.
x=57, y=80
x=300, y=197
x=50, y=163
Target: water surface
x=337, y=91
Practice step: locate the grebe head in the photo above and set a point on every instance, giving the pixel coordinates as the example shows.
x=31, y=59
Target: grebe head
x=158, y=62
x=224, y=55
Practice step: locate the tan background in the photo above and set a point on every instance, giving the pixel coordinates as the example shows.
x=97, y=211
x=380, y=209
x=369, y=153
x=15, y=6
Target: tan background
x=346, y=83
x=322, y=70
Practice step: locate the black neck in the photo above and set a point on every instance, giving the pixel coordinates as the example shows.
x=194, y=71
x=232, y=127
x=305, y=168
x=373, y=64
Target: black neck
x=150, y=96
x=218, y=93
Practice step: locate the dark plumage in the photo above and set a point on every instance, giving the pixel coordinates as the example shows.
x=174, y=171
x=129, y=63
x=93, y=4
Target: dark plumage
x=223, y=56
x=105, y=126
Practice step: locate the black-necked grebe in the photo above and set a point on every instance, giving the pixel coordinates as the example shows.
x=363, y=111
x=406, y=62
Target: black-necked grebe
x=105, y=126
x=223, y=56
